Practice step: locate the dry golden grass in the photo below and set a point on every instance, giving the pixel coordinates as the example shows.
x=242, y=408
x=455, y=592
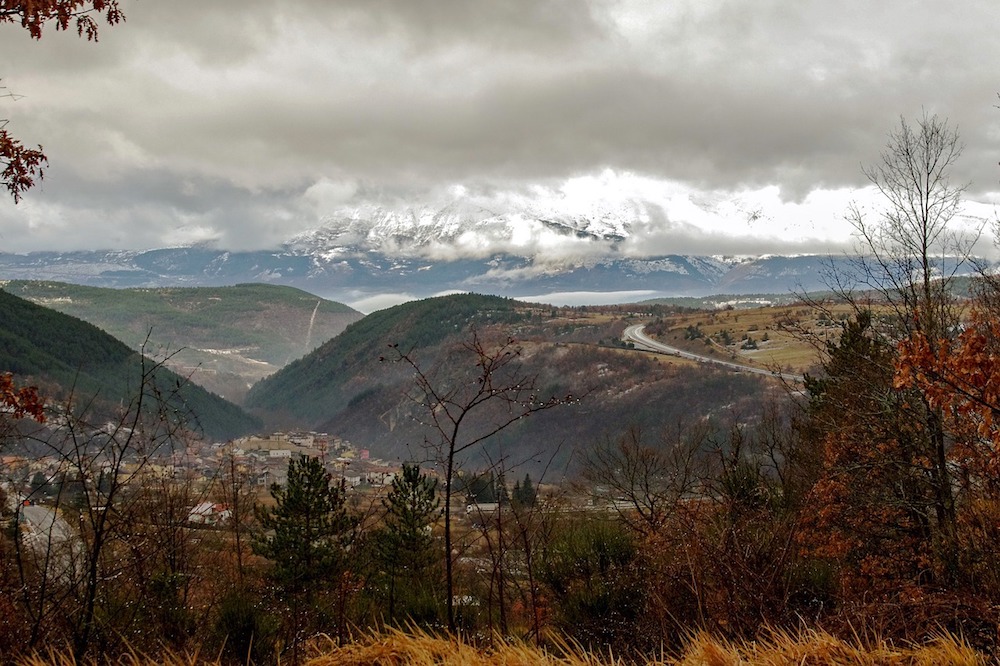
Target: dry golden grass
x=813, y=648
x=398, y=648
x=821, y=649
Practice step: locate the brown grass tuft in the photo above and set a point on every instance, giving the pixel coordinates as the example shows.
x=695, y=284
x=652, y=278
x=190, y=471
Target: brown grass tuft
x=809, y=648
x=817, y=648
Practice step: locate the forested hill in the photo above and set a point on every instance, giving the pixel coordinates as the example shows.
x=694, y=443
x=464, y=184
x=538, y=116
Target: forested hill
x=63, y=354
x=229, y=337
x=322, y=383
x=344, y=389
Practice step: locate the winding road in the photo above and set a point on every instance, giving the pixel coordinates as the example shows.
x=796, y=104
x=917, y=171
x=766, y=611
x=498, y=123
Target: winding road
x=636, y=335
x=53, y=542
x=45, y=524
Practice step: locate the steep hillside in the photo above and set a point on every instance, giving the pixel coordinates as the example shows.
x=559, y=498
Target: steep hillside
x=343, y=388
x=225, y=338
x=63, y=354
x=322, y=383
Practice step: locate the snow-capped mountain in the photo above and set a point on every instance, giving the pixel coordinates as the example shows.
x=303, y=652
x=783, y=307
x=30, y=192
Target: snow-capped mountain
x=475, y=227
x=506, y=245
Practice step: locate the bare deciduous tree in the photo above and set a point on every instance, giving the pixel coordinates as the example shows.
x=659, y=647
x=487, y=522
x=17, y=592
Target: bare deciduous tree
x=643, y=482
x=485, y=391
x=909, y=251
x=102, y=473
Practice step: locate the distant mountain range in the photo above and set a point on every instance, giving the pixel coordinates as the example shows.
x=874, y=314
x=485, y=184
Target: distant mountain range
x=516, y=249
x=349, y=276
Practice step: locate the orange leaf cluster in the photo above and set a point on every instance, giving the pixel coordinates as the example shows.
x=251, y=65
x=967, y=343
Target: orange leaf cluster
x=856, y=517
x=20, y=402
x=961, y=377
x=34, y=14
x=21, y=166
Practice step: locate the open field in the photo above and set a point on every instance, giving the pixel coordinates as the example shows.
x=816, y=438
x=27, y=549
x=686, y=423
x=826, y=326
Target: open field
x=787, y=338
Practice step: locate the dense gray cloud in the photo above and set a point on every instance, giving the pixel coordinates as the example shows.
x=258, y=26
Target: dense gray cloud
x=247, y=123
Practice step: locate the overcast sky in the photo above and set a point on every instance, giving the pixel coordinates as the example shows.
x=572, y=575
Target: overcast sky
x=246, y=122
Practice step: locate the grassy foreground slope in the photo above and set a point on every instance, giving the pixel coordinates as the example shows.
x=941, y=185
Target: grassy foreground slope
x=228, y=337
x=396, y=648
x=809, y=647
x=64, y=355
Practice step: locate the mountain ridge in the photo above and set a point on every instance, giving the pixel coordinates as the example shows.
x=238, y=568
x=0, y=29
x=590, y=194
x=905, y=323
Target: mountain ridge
x=501, y=245
x=351, y=387
x=224, y=338
x=71, y=359
x=347, y=275
x=508, y=244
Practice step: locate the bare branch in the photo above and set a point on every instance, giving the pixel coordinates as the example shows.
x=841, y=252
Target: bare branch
x=473, y=405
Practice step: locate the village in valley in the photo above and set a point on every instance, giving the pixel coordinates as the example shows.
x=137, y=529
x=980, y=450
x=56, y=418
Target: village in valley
x=260, y=460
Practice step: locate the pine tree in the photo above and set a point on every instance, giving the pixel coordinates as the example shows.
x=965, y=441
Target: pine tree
x=308, y=528
x=525, y=494
x=871, y=508
x=306, y=534
x=404, y=547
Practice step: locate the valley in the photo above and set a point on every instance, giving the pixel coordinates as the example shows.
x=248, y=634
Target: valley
x=550, y=333
x=223, y=339
x=228, y=339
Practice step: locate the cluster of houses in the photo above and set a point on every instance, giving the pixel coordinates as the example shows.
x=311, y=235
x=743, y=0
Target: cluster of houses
x=264, y=460
x=268, y=456
x=261, y=459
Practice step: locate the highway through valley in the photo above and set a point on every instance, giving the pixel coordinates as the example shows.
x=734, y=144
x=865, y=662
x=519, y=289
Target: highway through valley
x=45, y=524
x=637, y=336
x=51, y=539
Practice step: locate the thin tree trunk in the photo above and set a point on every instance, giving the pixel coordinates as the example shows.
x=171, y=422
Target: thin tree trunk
x=448, y=564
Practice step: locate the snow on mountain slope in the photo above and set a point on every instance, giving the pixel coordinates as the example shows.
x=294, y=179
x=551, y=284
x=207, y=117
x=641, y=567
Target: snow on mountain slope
x=584, y=237
x=476, y=227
